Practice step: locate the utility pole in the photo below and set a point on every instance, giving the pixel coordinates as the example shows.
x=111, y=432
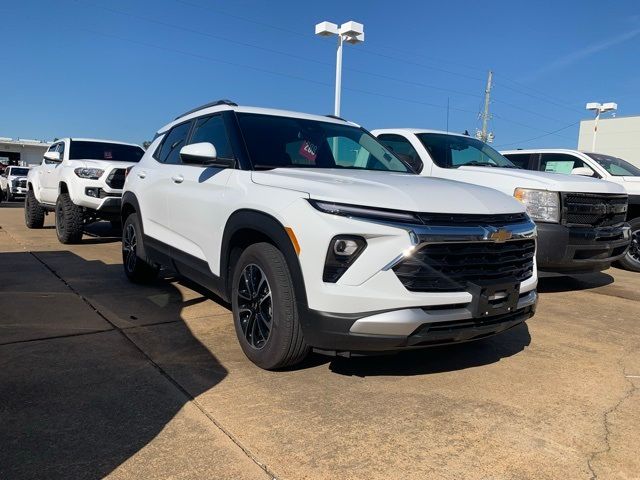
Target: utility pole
x=483, y=134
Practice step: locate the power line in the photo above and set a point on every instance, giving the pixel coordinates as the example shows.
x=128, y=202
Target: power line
x=539, y=136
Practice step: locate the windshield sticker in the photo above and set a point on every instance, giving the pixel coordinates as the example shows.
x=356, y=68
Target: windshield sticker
x=308, y=150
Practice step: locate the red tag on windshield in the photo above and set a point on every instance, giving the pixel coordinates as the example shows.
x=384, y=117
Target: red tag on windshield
x=108, y=156
x=309, y=151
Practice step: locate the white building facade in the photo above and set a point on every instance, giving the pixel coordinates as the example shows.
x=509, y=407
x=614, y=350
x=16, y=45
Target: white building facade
x=617, y=136
x=16, y=151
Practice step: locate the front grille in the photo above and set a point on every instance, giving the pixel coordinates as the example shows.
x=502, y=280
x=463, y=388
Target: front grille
x=451, y=267
x=467, y=220
x=116, y=178
x=597, y=210
x=21, y=183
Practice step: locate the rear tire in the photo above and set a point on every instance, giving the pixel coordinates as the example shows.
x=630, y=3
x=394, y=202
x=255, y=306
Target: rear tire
x=265, y=313
x=135, y=268
x=631, y=260
x=69, y=220
x=33, y=211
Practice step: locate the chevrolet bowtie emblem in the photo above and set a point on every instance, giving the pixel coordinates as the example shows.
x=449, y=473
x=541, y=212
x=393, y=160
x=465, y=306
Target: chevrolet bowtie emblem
x=500, y=236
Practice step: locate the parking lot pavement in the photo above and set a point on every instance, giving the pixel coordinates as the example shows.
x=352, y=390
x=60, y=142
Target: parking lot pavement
x=101, y=377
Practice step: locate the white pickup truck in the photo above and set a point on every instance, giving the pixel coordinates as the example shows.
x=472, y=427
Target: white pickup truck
x=580, y=221
x=14, y=183
x=81, y=180
x=595, y=165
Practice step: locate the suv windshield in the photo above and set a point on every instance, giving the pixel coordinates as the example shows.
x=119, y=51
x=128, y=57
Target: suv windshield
x=18, y=171
x=615, y=166
x=81, y=150
x=453, y=151
x=286, y=142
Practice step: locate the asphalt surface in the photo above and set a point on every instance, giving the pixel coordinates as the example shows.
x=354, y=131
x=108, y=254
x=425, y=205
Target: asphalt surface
x=99, y=377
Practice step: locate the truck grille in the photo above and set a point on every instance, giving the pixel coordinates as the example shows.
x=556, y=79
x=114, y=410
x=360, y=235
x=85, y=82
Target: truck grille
x=22, y=183
x=450, y=267
x=116, y=178
x=466, y=220
x=597, y=210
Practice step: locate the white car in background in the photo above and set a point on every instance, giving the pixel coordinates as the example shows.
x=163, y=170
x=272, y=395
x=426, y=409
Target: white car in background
x=595, y=165
x=81, y=179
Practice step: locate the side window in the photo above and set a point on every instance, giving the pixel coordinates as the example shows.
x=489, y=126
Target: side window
x=520, y=160
x=173, y=142
x=561, y=163
x=403, y=148
x=212, y=130
x=61, y=150
x=53, y=148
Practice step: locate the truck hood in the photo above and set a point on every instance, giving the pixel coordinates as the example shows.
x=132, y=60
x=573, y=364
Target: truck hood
x=508, y=179
x=397, y=191
x=104, y=164
x=631, y=185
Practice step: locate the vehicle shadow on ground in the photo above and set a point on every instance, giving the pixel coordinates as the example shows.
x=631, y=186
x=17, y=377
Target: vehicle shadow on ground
x=78, y=396
x=437, y=359
x=571, y=283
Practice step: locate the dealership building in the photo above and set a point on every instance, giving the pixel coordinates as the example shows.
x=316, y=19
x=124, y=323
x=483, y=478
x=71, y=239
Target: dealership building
x=617, y=136
x=21, y=151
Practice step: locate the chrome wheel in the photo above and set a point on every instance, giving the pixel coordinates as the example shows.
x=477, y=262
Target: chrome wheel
x=255, y=306
x=129, y=243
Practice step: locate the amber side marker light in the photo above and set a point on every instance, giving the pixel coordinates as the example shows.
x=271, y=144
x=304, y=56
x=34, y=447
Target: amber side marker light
x=294, y=240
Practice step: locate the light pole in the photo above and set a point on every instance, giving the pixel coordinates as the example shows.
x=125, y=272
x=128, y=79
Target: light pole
x=599, y=108
x=350, y=32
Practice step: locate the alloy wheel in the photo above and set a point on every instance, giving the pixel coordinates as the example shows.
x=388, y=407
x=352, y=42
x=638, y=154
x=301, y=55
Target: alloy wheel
x=634, y=247
x=129, y=243
x=255, y=306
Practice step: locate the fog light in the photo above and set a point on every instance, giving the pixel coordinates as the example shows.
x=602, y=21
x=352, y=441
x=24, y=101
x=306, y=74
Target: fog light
x=343, y=251
x=345, y=247
x=92, y=192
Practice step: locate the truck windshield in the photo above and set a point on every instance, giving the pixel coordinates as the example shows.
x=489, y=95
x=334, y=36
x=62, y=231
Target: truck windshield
x=86, y=150
x=18, y=171
x=616, y=166
x=286, y=142
x=453, y=151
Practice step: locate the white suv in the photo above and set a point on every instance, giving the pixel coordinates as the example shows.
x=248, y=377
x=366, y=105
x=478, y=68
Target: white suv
x=321, y=238
x=81, y=179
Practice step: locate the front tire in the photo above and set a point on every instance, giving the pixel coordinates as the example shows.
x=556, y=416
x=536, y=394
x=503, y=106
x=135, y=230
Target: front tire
x=265, y=314
x=33, y=211
x=69, y=220
x=631, y=260
x=135, y=268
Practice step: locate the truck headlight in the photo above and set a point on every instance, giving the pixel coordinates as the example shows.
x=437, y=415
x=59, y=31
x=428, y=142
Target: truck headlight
x=541, y=205
x=90, y=173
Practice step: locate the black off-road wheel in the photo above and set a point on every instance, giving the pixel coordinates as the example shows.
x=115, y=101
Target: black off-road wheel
x=33, y=211
x=69, y=220
x=631, y=261
x=135, y=267
x=264, y=309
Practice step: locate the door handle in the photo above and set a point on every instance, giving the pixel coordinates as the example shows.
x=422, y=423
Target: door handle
x=142, y=174
x=178, y=179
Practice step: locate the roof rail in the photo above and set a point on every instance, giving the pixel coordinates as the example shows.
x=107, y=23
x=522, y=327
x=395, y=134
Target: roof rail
x=336, y=117
x=207, y=105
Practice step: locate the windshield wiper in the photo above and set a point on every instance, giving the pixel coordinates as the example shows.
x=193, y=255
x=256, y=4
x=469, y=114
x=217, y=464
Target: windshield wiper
x=475, y=163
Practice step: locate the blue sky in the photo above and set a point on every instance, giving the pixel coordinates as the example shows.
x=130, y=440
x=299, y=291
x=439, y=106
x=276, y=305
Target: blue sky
x=121, y=69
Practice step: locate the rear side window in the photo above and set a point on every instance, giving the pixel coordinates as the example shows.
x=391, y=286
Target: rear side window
x=173, y=142
x=520, y=160
x=212, y=130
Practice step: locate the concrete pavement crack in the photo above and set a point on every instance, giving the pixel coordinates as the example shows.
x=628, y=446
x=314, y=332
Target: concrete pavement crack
x=606, y=419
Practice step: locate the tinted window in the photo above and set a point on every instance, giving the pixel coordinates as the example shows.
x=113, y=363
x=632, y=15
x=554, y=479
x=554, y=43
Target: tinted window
x=403, y=148
x=615, y=166
x=18, y=171
x=520, y=160
x=211, y=129
x=173, y=142
x=453, y=151
x=81, y=149
x=560, y=163
x=286, y=142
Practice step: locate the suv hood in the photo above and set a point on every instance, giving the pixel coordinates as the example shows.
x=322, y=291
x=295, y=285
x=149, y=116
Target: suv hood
x=508, y=179
x=104, y=164
x=396, y=191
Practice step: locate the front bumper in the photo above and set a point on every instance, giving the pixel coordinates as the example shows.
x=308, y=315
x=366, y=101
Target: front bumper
x=407, y=328
x=18, y=191
x=563, y=249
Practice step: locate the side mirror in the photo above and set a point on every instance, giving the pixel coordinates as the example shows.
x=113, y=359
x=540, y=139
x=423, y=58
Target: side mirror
x=203, y=153
x=584, y=171
x=53, y=156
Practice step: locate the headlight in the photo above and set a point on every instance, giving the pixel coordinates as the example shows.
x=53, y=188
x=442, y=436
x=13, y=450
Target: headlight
x=541, y=205
x=364, y=212
x=90, y=173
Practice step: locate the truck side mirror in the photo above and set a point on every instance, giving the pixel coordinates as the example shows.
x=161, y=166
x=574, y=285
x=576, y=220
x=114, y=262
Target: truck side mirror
x=584, y=171
x=52, y=156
